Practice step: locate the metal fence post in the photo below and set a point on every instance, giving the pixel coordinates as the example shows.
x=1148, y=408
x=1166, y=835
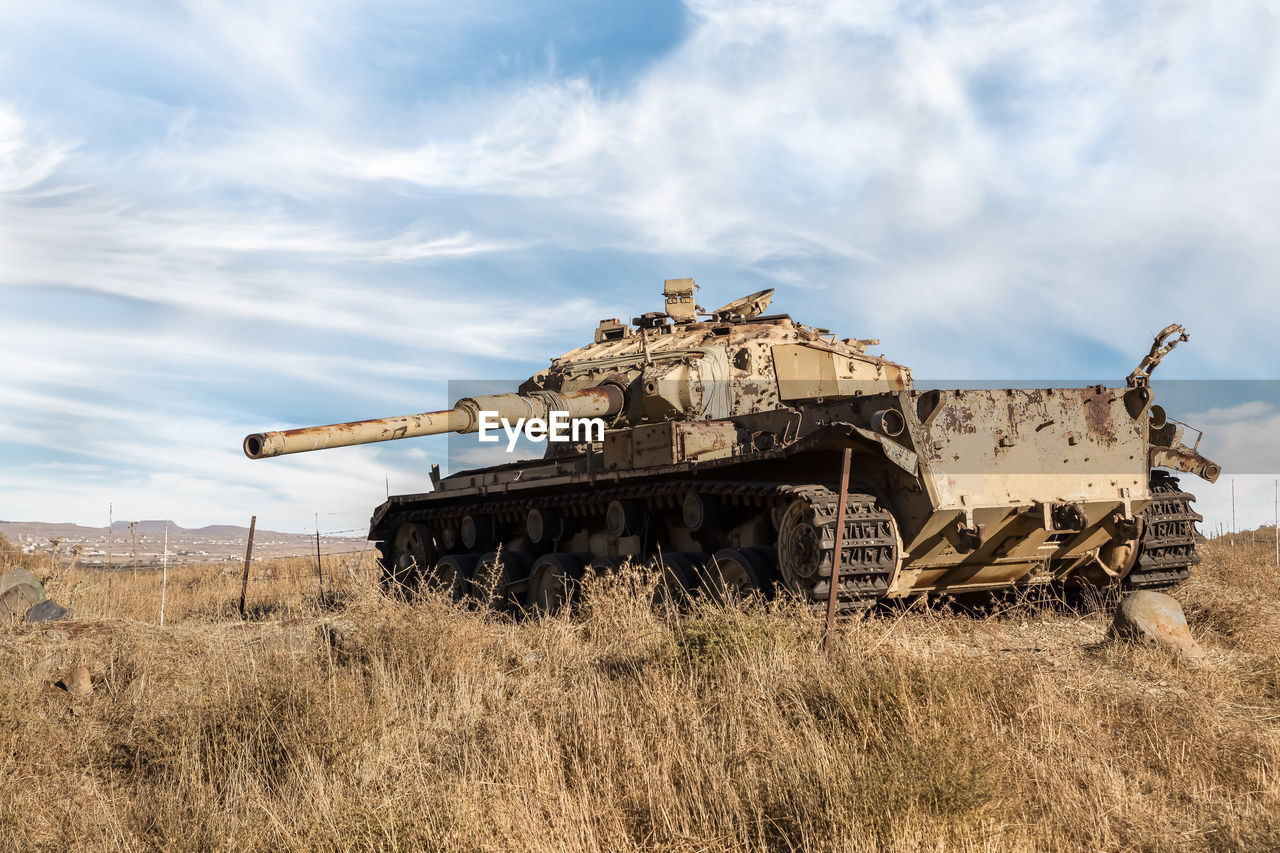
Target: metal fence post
x=319, y=565
x=833, y=591
x=248, y=555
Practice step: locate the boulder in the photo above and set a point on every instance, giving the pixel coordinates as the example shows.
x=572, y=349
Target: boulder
x=289, y=636
x=341, y=637
x=78, y=682
x=46, y=611
x=42, y=669
x=1153, y=617
x=18, y=577
x=17, y=600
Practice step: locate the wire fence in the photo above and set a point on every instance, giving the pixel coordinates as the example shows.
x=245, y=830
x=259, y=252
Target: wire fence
x=177, y=584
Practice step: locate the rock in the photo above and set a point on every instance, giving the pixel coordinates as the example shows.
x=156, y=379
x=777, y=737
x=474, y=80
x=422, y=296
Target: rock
x=17, y=600
x=42, y=669
x=1153, y=617
x=290, y=636
x=78, y=682
x=46, y=611
x=17, y=577
x=341, y=637
x=55, y=635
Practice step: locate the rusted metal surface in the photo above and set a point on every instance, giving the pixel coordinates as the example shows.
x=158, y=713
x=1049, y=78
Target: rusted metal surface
x=985, y=488
x=1183, y=458
x=1098, y=418
x=264, y=444
x=670, y=443
x=1168, y=338
x=464, y=417
x=1018, y=446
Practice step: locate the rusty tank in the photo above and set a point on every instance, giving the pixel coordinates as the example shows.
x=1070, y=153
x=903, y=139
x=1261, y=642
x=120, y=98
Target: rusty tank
x=719, y=455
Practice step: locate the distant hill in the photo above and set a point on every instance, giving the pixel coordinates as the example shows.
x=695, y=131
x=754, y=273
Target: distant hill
x=48, y=530
x=212, y=543
x=226, y=530
x=150, y=526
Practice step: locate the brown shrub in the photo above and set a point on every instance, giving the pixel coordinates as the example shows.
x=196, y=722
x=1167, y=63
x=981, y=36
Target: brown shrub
x=438, y=726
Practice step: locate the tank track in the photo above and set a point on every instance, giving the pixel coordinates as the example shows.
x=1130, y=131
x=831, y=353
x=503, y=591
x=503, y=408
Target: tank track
x=1167, y=550
x=654, y=496
x=871, y=549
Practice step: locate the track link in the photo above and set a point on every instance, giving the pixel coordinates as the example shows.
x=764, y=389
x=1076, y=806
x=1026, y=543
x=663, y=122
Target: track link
x=871, y=546
x=1167, y=550
x=806, y=548
x=593, y=501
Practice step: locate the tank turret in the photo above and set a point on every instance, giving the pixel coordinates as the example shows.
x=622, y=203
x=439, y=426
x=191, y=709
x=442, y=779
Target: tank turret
x=665, y=365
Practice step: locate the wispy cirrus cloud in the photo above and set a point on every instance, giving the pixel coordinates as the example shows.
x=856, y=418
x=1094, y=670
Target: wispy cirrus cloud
x=24, y=164
x=1094, y=165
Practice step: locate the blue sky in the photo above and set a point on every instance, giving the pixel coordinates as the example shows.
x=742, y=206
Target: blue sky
x=222, y=217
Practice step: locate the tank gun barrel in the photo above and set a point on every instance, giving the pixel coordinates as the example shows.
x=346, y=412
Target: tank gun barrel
x=600, y=401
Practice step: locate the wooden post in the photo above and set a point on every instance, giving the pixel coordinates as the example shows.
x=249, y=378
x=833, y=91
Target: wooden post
x=833, y=591
x=248, y=555
x=319, y=566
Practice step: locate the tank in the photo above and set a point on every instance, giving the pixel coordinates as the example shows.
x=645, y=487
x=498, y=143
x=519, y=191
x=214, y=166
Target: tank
x=718, y=456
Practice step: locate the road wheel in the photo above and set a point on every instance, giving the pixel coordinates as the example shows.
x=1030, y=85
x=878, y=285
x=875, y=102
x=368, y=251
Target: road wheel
x=680, y=573
x=735, y=573
x=552, y=582
x=494, y=573
x=452, y=575
x=412, y=553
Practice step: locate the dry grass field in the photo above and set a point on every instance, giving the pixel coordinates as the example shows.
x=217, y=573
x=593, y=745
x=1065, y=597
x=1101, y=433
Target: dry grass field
x=377, y=724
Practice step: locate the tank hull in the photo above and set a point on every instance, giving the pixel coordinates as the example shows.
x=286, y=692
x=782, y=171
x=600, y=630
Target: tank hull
x=959, y=491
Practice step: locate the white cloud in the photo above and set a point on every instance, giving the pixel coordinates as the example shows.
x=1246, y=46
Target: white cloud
x=1251, y=411
x=1054, y=148
x=23, y=164
x=1245, y=444
x=990, y=190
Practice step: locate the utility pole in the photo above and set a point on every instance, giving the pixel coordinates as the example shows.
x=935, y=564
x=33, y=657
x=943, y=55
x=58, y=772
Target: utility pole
x=1233, y=512
x=164, y=571
x=133, y=537
x=110, y=533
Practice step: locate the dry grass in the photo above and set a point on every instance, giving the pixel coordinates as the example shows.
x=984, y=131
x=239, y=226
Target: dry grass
x=376, y=724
